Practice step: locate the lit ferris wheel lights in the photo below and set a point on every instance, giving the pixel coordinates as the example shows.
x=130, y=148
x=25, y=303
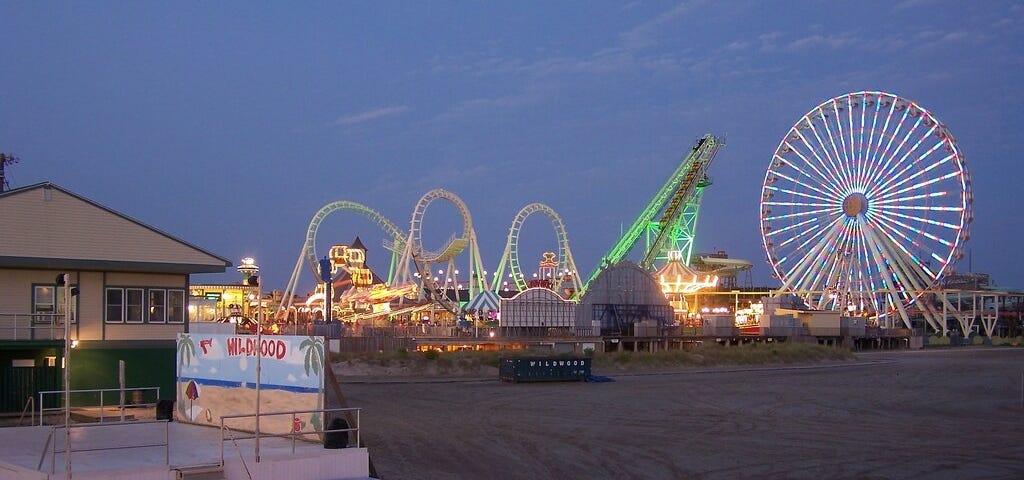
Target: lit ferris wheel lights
x=867, y=197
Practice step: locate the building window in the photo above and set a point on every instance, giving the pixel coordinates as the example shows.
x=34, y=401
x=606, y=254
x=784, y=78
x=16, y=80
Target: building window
x=44, y=304
x=176, y=306
x=133, y=305
x=157, y=306
x=48, y=304
x=115, y=305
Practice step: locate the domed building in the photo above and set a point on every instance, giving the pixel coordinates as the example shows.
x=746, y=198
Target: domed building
x=620, y=297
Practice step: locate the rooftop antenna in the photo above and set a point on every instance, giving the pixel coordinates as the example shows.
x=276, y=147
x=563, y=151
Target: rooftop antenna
x=6, y=159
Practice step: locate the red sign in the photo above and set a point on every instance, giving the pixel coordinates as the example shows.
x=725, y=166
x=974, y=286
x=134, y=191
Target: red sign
x=246, y=346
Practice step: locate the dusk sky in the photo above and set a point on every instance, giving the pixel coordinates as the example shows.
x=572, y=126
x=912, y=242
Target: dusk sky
x=229, y=124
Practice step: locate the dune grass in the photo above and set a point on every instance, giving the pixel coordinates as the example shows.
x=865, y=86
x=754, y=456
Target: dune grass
x=717, y=355
x=434, y=362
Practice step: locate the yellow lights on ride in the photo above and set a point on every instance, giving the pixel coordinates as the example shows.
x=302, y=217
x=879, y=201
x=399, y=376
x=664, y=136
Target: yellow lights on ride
x=686, y=285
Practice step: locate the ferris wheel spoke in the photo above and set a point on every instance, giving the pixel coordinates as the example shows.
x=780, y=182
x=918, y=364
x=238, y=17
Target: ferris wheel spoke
x=853, y=162
x=841, y=254
x=864, y=260
x=924, y=208
x=892, y=153
x=910, y=270
x=809, y=228
x=805, y=185
x=810, y=213
x=925, y=220
x=887, y=154
x=807, y=223
x=892, y=231
x=827, y=180
x=811, y=280
x=881, y=216
x=878, y=153
x=903, y=200
x=886, y=191
x=812, y=255
x=899, y=179
x=914, y=270
x=840, y=153
x=888, y=175
x=846, y=159
x=835, y=178
x=853, y=150
x=865, y=150
x=839, y=250
x=821, y=178
x=890, y=278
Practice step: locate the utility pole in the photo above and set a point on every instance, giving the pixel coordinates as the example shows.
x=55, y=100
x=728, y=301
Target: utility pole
x=6, y=159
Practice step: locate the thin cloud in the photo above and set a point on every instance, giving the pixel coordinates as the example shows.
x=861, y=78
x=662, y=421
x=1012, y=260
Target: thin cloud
x=645, y=34
x=368, y=116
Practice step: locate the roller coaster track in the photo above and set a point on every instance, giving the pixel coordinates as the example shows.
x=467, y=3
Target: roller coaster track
x=672, y=199
x=566, y=264
x=421, y=259
x=309, y=251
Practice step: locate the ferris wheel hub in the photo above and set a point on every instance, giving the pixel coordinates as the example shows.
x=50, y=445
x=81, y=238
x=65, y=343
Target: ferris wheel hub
x=855, y=204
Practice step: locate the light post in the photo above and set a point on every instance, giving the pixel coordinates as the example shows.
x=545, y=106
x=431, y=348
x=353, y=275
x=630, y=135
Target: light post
x=259, y=355
x=64, y=281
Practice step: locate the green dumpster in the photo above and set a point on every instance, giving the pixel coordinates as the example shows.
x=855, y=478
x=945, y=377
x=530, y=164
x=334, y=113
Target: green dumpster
x=544, y=369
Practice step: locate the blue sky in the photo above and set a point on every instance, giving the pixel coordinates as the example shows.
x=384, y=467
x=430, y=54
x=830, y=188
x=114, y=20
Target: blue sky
x=229, y=124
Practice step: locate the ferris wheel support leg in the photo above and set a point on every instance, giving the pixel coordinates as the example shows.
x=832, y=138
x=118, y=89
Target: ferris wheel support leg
x=894, y=293
x=916, y=277
x=798, y=278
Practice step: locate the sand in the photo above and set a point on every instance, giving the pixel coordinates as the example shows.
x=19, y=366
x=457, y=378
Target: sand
x=949, y=413
x=215, y=401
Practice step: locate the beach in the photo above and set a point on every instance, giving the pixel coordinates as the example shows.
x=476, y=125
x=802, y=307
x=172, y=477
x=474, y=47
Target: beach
x=939, y=413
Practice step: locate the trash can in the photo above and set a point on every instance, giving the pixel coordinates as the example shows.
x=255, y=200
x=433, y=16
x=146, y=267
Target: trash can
x=165, y=409
x=335, y=439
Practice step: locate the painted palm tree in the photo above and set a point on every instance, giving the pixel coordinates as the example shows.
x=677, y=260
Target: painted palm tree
x=313, y=347
x=186, y=350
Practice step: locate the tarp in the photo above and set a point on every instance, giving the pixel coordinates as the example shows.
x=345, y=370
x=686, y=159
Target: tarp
x=485, y=301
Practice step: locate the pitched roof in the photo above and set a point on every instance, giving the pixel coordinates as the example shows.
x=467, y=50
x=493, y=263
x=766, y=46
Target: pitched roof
x=47, y=226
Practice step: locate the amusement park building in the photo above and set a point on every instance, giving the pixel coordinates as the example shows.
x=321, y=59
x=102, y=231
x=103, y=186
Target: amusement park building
x=537, y=307
x=621, y=296
x=132, y=285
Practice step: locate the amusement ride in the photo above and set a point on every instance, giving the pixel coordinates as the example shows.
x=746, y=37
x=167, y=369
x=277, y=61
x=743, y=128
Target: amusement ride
x=865, y=207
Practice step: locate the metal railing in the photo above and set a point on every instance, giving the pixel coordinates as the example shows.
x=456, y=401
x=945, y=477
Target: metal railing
x=31, y=326
x=228, y=433
x=51, y=442
x=137, y=401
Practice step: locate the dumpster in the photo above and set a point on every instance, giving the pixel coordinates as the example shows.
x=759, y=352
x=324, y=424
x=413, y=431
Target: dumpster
x=544, y=369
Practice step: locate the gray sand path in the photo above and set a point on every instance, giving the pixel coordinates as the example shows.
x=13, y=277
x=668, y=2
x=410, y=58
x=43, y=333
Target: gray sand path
x=952, y=413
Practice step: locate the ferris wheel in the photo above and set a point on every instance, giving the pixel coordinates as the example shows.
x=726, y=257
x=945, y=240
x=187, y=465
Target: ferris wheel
x=866, y=204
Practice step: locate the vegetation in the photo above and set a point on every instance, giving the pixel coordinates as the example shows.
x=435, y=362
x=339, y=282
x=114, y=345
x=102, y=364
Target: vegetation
x=433, y=362
x=717, y=355
x=1008, y=341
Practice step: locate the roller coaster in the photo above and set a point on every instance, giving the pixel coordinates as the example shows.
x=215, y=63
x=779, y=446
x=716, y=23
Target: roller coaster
x=678, y=202
x=411, y=266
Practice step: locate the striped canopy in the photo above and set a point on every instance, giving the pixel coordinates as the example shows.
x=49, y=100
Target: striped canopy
x=486, y=300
